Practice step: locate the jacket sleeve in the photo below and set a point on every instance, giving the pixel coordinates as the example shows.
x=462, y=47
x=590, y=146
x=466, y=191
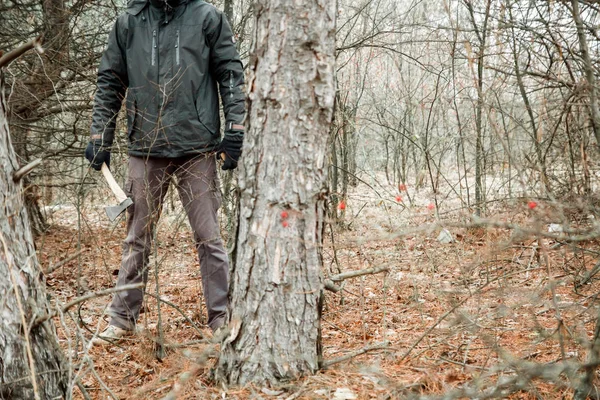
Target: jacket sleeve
x=228, y=71
x=112, y=84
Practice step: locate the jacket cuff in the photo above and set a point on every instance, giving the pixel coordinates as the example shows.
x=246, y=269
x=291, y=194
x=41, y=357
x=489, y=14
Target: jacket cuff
x=234, y=136
x=234, y=132
x=232, y=126
x=98, y=140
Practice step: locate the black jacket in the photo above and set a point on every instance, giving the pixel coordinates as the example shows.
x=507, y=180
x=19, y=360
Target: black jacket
x=171, y=64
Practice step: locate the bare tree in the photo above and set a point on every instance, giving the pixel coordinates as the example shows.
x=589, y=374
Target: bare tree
x=276, y=287
x=31, y=363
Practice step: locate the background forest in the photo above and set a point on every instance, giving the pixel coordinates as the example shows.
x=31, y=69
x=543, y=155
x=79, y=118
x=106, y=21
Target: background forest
x=463, y=183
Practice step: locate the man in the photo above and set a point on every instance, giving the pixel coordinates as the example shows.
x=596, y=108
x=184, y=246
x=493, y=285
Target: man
x=172, y=58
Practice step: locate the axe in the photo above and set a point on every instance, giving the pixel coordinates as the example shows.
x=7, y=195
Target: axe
x=114, y=211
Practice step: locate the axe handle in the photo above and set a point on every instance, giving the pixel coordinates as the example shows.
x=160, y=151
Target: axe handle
x=114, y=186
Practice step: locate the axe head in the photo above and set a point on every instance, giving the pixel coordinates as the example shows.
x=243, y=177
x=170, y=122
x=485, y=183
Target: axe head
x=114, y=211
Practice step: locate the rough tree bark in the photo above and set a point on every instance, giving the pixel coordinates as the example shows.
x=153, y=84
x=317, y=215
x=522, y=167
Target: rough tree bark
x=42, y=82
x=31, y=363
x=276, y=287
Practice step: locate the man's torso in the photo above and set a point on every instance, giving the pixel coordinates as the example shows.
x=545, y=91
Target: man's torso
x=172, y=100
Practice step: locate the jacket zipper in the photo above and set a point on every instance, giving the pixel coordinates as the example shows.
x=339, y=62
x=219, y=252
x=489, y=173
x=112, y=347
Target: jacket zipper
x=231, y=85
x=177, y=48
x=154, y=46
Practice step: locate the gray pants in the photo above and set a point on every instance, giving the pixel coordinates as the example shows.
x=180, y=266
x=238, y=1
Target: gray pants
x=197, y=184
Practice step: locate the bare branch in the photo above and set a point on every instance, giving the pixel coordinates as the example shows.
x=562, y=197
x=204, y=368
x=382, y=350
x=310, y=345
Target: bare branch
x=16, y=53
x=19, y=174
x=356, y=274
x=81, y=299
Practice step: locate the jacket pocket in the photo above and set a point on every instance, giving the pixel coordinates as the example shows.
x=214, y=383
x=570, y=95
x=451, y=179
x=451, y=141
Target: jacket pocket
x=206, y=104
x=128, y=188
x=216, y=192
x=132, y=113
x=200, y=115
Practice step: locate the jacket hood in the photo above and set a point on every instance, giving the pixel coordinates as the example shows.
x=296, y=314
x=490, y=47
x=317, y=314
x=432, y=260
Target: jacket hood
x=134, y=7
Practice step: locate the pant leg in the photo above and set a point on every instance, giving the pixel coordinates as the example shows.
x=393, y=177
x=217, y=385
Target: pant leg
x=201, y=197
x=147, y=185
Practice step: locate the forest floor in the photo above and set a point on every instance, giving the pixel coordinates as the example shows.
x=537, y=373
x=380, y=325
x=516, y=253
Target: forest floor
x=480, y=313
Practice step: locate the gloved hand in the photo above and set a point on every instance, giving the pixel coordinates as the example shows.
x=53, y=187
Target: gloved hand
x=232, y=148
x=97, y=154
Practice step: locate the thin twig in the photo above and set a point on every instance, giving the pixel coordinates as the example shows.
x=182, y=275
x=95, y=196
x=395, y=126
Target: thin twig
x=337, y=327
x=84, y=392
x=104, y=385
x=196, y=327
x=81, y=299
x=379, y=346
x=332, y=287
x=185, y=344
x=462, y=364
x=160, y=350
x=67, y=260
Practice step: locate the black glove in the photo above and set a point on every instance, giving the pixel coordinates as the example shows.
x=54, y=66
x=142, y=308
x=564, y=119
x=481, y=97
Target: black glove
x=97, y=154
x=232, y=148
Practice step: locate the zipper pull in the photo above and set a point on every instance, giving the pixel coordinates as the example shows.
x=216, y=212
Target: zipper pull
x=154, y=45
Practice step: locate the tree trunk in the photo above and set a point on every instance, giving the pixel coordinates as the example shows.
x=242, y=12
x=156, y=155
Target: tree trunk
x=334, y=185
x=31, y=365
x=276, y=287
x=228, y=10
x=535, y=131
x=481, y=33
x=344, y=148
x=589, y=70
